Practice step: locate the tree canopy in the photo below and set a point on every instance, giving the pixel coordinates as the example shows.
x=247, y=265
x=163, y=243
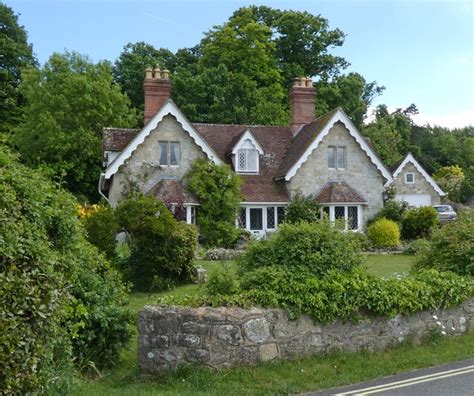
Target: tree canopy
x=70, y=100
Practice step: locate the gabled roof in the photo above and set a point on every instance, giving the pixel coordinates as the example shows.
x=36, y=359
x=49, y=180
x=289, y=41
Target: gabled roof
x=116, y=139
x=309, y=137
x=338, y=192
x=169, y=107
x=410, y=159
x=246, y=134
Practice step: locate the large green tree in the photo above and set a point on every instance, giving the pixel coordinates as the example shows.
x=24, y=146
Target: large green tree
x=70, y=100
x=16, y=54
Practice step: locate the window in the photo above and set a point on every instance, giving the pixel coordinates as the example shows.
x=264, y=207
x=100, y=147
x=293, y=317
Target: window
x=247, y=157
x=352, y=218
x=336, y=157
x=271, y=217
x=256, y=218
x=350, y=215
x=280, y=214
x=243, y=218
x=409, y=178
x=169, y=153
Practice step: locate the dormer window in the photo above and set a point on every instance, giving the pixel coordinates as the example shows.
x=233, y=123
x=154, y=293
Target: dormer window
x=246, y=154
x=247, y=157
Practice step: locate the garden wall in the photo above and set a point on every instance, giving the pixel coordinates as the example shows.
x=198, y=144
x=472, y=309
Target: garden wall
x=222, y=337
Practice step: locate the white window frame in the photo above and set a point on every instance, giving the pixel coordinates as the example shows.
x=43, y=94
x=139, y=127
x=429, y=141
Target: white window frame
x=336, y=157
x=247, y=152
x=242, y=144
x=264, y=208
x=191, y=213
x=168, y=154
x=332, y=214
x=406, y=178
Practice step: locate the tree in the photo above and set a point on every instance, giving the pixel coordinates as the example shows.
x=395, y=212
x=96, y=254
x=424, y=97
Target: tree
x=450, y=179
x=129, y=68
x=16, y=54
x=70, y=100
x=217, y=189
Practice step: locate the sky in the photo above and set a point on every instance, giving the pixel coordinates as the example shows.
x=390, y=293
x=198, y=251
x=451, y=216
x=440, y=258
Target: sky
x=422, y=51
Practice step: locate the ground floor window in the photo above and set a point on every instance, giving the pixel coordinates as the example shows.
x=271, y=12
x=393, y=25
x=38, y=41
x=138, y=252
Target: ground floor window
x=191, y=212
x=350, y=214
x=259, y=219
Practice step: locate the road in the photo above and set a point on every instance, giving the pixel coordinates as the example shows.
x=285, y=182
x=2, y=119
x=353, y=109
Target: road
x=455, y=379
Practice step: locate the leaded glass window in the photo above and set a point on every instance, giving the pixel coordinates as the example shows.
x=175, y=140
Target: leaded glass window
x=353, y=220
x=247, y=157
x=256, y=218
x=270, y=217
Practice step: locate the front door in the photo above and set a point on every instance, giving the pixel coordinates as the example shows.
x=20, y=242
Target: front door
x=256, y=222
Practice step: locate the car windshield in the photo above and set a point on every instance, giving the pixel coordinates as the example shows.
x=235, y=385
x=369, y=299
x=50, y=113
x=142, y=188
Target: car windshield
x=443, y=209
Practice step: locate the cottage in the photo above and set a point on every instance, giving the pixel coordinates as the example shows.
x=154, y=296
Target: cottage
x=325, y=157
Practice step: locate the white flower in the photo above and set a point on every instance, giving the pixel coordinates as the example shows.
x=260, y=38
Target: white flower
x=438, y=323
x=435, y=317
x=443, y=327
x=443, y=333
x=452, y=328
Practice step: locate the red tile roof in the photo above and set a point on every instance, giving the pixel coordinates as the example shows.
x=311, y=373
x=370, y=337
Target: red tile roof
x=115, y=139
x=171, y=191
x=338, y=192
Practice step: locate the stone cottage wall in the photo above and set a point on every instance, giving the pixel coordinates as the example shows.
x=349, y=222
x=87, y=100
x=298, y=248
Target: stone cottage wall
x=223, y=337
x=360, y=173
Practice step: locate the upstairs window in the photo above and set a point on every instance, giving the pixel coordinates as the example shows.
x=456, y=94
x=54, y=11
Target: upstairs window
x=247, y=157
x=409, y=178
x=169, y=153
x=336, y=157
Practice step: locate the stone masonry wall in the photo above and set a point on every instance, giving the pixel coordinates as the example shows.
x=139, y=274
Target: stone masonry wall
x=223, y=337
x=143, y=168
x=360, y=173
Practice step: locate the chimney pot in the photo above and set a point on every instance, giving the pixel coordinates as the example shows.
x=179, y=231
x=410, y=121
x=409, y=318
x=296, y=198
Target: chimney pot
x=166, y=74
x=157, y=73
x=148, y=73
x=302, y=97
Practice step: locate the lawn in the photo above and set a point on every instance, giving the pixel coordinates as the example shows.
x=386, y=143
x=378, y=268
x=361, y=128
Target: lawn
x=283, y=377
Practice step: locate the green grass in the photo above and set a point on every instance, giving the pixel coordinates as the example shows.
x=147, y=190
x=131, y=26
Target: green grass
x=282, y=377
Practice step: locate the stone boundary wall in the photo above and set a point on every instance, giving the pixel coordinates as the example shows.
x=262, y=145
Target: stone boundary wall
x=223, y=337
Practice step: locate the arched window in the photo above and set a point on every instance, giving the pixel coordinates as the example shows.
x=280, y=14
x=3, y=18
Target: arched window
x=247, y=157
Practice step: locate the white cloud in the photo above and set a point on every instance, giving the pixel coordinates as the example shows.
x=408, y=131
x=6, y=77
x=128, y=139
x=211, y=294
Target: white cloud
x=448, y=120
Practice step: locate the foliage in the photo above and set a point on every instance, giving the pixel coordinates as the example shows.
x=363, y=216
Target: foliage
x=450, y=179
x=384, y=233
x=222, y=282
x=452, y=246
x=419, y=222
x=318, y=247
x=70, y=101
x=392, y=210
x=417, y=246
x=302, y=208
x=162, y=249
x=61, y=301
x=217, y=189
x=17, y=54
x=101, y=228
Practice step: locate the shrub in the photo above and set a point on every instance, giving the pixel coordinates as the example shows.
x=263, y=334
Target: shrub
x=102, y=228
x=302, y=209
x=222, y=282
x=392, y=210
x=61, y=301
x=384, y=233
x=162, y=249
x=417, y=246
x=452, y=247
x=319, y=247
x=419, y=222
x=217, y=189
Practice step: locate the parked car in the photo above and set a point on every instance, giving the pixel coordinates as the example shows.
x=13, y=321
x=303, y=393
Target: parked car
x=445, y=213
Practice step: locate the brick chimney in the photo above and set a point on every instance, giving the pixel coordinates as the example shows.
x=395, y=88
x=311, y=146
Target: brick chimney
x=303, y=98
x=157, y=88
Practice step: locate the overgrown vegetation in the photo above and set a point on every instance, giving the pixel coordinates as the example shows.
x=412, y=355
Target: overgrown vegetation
x=61, y=300
x=161, y=248
x=302, y=208
x=452, y=247
x=217, y=188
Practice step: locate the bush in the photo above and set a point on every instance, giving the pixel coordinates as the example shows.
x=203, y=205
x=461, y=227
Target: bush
x=61, y=301
x=162, y=249
x=319, y=247
x=102, y=228
x=222, y=254
x=392, y=210
x=222, y=282
x=384, y=233
x=302, y=209
x=452, y=247
x=217, y=189
x=419, y=222
x=417, y=246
